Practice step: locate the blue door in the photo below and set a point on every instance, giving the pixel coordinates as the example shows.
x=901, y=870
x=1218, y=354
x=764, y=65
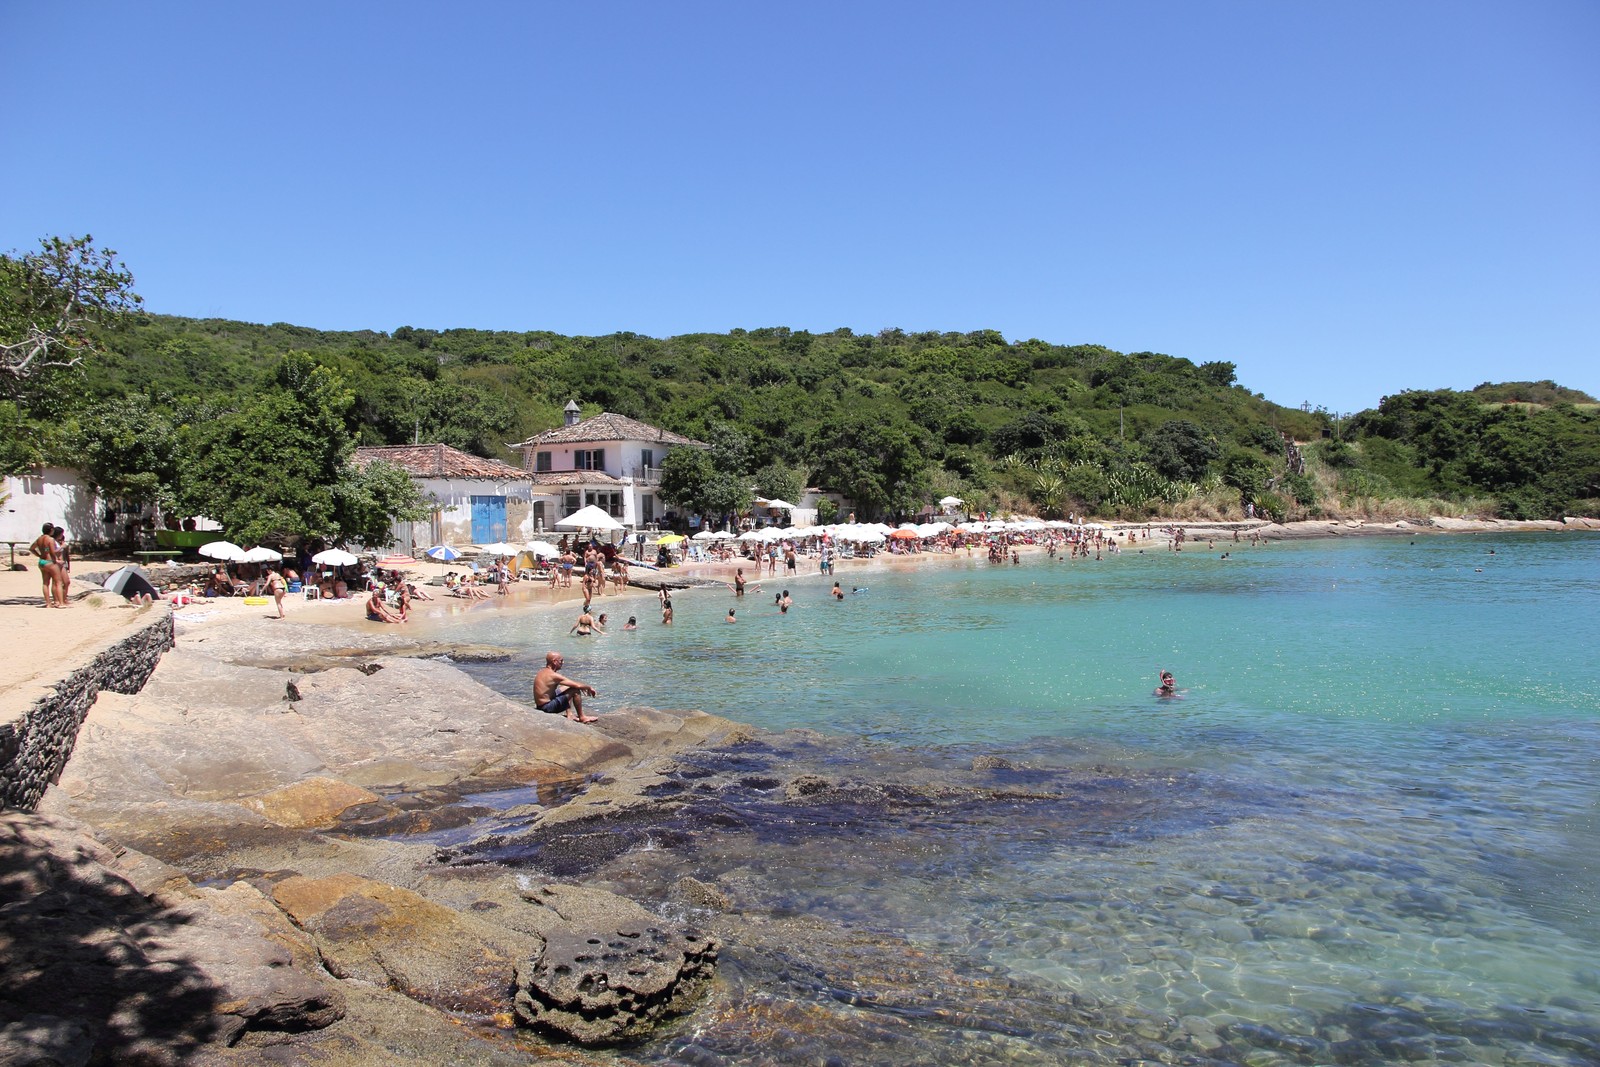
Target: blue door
x=488, y=519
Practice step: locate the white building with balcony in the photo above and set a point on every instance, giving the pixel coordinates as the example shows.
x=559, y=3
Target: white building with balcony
x=609, y=460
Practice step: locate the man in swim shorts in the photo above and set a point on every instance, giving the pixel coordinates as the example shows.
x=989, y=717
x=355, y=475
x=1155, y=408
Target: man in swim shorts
x=554, y=693
x=378, y=608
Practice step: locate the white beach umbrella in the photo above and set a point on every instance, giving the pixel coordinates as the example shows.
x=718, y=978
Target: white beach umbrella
x=501, y=548
x=750, y=535
x=950, y=501
x=260, y=554
x=542, y=549
x=705, y=535
x=223, y=550
x=589, y=518
x=335, y=557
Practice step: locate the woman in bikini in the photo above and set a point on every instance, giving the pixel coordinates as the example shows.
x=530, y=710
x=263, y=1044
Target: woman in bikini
x=276, y=588
x=47, y=552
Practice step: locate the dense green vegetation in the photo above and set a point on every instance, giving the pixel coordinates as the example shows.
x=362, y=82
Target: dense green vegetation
x=177, y=409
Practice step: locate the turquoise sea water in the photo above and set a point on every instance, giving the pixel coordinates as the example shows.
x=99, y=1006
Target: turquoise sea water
x=1368, y=831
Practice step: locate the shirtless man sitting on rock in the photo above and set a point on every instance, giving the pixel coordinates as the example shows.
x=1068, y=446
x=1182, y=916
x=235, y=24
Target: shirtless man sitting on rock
x=554, y=692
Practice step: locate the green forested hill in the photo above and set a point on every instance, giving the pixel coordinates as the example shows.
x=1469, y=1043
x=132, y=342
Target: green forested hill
x=476, y=389
x=893, y=420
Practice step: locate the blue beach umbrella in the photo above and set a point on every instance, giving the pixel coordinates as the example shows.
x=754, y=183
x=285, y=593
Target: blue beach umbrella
x=443, y=553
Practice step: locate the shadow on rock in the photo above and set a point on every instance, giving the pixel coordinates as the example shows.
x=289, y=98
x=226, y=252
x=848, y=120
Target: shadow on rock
x=96, y=971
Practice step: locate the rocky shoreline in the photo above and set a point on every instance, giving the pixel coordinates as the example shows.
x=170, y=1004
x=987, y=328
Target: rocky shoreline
x=309, y=844
x=224, y=869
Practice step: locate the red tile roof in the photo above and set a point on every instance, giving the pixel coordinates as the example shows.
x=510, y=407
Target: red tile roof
x=439, y=461
x=608, y=426
x=575, y=478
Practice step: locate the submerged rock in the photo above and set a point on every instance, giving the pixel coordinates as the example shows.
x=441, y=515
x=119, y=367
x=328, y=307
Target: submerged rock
x=610, y=972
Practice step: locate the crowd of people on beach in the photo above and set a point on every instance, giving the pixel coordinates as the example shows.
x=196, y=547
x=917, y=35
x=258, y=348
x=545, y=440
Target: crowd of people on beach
x=600, y=568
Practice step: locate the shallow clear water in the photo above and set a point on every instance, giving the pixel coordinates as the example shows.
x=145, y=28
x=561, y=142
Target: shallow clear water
x=1371, y=819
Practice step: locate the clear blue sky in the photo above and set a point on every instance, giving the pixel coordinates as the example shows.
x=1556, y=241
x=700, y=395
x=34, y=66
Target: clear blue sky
x=1344, y=199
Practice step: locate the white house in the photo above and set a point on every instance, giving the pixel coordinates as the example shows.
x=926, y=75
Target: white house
x=55, y=495
x=476, y=501
x=610, y=461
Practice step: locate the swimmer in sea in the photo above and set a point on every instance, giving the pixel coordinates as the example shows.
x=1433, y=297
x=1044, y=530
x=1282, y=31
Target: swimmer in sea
x=632, y=623
x=838, y=594
x=1168, y=686
x=730, y=617
x=584, y=626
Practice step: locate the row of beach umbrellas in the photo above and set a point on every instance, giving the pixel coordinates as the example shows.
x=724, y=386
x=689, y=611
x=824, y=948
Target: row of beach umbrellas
x=228, y=552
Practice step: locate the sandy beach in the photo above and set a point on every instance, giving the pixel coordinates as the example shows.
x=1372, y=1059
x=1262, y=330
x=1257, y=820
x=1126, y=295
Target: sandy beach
x=43, y=644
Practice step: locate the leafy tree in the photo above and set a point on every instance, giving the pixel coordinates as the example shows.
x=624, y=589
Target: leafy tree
x=1085, y=484
x=369, y=500
x=686, y=476
x=730, y=448
x=876, y=462
x=1302, y=488
x=265, y=470
x=727, y=494
x=1030, y=434
x=20, y=441
x=1247, y=472
x=1542, y=392
x=127, y=448
x=278, y=465
x=690, y=479
x=50, y=299
x=780, y=481
x=1179, y=449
